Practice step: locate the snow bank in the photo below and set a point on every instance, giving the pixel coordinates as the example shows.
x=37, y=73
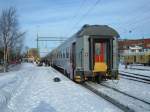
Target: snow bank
x=9, y=82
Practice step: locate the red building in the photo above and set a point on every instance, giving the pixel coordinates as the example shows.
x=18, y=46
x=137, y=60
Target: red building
x=126, y=44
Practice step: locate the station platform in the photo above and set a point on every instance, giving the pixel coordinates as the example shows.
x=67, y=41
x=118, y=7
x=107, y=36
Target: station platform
x=38, y=92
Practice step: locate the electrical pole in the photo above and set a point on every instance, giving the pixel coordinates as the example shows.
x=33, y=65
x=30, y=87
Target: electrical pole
x=48, y=39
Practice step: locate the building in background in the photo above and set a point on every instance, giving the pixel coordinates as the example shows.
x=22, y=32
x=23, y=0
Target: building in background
x=134, y=51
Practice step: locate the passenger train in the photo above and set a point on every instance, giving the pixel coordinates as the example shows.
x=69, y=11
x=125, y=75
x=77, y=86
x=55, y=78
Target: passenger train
x=91, y=53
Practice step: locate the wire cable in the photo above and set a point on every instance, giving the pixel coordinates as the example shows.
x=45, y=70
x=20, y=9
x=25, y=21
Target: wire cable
x=76, y=14
x=85, y=15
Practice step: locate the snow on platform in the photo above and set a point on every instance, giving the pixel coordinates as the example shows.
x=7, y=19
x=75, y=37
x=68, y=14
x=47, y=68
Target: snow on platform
x=9, y=82
x=35, y=91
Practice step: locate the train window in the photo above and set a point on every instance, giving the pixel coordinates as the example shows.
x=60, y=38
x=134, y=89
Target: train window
x=60, y=54
x=63, y=53
x=97, y=49
x=67, y=52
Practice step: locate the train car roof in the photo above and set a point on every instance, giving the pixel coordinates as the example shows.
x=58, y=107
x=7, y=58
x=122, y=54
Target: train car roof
x=97, y=30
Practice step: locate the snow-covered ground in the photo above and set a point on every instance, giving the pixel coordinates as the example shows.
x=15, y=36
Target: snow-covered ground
x=139, y=91
x=32, y=89
x=139, y=70
x=133, y=88
x=136, y=66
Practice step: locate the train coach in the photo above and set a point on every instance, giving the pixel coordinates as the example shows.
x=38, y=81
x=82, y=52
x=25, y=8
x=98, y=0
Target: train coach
x=91, y=53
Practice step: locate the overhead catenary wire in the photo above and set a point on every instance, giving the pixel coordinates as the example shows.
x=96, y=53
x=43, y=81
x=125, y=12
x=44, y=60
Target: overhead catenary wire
x=134, y=25
x=84, y=15
x=76, y=13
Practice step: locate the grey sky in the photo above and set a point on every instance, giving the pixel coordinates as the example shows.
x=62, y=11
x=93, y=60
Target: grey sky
x=65, y=17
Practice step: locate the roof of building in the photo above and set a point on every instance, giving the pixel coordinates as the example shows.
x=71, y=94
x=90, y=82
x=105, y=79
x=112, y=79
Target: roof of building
x=145, y=43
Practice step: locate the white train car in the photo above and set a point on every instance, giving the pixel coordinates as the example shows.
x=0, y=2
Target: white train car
x=92, y=52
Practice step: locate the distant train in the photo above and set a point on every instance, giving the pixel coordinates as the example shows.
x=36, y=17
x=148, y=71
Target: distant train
x=91, y=53
x=138, y=58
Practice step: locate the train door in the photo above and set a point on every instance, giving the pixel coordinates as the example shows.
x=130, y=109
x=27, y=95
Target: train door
x=100, y=52
x=100, y=58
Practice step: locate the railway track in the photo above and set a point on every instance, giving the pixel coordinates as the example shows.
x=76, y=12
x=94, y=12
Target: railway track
x=137, y=74
x=126, y=94
x=135, y=77
x=106, y=97
x=140, y=69
x=121, y=105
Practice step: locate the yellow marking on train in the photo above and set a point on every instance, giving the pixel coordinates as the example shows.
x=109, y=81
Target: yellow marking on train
x=100, y=67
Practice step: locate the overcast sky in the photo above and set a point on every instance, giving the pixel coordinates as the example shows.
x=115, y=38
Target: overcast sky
x=62, y=18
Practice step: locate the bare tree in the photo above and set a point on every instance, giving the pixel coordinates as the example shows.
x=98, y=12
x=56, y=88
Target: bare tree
x=9, y=32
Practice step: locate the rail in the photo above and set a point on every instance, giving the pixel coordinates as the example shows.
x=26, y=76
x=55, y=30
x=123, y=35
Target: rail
x=135, y=78
x=121, y=106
